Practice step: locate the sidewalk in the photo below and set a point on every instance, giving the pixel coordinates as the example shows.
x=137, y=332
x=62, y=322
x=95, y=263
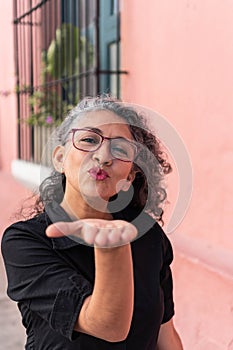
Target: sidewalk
x=12, y=334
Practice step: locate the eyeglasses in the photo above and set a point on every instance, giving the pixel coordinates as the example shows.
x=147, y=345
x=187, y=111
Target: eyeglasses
x=89, y=141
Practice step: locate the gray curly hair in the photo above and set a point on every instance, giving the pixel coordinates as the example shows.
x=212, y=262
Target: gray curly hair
x=150, y=166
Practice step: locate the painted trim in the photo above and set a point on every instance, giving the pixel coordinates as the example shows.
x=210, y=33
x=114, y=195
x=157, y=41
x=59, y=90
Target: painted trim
x=29, y=174
x=199, y=251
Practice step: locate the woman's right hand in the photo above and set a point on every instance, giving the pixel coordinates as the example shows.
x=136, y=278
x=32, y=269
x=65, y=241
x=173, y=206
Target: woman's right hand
x=98, y=232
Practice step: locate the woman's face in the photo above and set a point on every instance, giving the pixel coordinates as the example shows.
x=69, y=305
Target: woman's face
x=97, y=173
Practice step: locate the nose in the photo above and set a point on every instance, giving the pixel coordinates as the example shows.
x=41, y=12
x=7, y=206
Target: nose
x=103, y=155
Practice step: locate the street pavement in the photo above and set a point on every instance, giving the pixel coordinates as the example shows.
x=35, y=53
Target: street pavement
x=12, y=333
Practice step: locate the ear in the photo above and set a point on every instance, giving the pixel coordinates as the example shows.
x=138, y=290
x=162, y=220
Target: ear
x=58, y=158
x=127, y=183
x=131, y=175
x=123, y=185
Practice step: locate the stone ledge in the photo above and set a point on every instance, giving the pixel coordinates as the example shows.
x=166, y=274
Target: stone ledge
x=29, y=174
x=214, y=257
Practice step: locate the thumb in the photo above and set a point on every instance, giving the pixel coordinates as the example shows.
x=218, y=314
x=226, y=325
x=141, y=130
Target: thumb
x=61, y=228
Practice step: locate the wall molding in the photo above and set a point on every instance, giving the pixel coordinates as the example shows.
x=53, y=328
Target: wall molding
x=29, y=174
x=214, y=257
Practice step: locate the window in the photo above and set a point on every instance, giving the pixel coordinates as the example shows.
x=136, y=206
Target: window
x=64, y=50
x=110, y=46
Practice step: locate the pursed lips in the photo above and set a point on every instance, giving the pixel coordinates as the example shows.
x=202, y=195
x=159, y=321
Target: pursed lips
x=98, y=174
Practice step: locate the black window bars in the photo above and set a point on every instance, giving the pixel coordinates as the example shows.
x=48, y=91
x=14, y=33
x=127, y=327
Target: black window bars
x=59, y=59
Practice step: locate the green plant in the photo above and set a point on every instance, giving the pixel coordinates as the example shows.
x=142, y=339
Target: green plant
x=60, y=61
x=63, y=55
x=47, y=108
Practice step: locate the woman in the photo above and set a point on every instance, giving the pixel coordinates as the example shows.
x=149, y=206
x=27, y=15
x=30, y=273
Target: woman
x=90, y=269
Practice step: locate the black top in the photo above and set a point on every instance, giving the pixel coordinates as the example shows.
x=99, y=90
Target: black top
x=50, y=278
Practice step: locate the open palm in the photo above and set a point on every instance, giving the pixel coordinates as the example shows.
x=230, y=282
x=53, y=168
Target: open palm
x=97, y=232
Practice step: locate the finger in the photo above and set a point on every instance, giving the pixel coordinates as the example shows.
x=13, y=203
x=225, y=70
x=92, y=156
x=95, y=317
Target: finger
x=101, y=239
x=89, y=233
x=114, y=237
x=129, y=233
x=62, y=228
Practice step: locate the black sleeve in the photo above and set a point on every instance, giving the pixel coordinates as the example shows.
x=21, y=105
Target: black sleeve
x=166, y=280
x=42, y=280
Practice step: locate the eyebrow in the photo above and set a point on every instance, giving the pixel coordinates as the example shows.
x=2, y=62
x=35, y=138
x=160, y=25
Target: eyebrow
x=101, y=132
x=93, y=129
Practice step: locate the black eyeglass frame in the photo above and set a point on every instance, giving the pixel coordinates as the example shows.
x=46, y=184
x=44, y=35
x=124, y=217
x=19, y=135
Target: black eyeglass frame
x=73, y=131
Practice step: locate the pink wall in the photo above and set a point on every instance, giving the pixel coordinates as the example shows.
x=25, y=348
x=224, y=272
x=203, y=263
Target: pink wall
x=179, y=56
x=8, y=123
